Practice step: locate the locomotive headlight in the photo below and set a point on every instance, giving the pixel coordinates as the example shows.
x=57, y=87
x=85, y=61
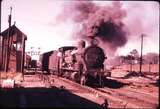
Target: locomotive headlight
x=94, y=42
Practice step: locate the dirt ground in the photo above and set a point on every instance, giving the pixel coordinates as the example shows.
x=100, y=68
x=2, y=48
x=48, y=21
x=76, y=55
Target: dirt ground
x=128, y=91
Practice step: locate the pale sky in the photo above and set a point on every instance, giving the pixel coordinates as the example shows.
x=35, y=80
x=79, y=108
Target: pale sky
x=37, y=19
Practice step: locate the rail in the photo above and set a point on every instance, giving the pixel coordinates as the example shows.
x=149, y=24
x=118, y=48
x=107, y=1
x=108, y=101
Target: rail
x=99, y=93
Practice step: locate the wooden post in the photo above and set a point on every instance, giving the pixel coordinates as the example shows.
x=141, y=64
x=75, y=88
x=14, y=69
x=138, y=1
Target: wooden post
x=23, y=56
x=0, y=38
x=141, y=58
x=0, y=43
x=22, y=49
x=8, y=41
x=0, y=14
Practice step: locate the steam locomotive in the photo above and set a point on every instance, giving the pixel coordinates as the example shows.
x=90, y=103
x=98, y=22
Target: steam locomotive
x=80, y=64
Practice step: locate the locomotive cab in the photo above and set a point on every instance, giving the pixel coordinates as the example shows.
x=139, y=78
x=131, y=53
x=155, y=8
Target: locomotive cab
x=66, y=61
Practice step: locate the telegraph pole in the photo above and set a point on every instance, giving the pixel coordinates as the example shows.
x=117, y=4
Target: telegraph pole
x=8, y=41
x=0, y=41
x=0, y=14
x=141, y=58
x=0, y=36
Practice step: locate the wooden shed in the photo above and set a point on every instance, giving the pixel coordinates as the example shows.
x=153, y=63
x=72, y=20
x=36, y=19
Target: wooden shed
x=13, y=49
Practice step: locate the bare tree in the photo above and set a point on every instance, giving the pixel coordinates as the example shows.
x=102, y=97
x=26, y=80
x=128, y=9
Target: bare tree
x=134, y=53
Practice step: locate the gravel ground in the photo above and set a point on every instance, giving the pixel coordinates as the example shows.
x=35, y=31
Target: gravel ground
x=35, y=94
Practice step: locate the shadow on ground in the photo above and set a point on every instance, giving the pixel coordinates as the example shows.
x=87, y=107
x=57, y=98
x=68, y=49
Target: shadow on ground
x=110, y=83
x=43, y=97
x=113, y=83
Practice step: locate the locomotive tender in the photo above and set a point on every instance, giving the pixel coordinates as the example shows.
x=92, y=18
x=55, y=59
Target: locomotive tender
x=80, y=64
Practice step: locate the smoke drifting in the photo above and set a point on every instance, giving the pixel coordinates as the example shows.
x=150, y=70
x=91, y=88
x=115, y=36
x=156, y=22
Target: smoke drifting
x=102, y=22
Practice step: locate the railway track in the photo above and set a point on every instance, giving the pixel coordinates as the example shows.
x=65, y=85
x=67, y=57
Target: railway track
x=125, y=97
x=139, y=81
x=118, y=98
x=140, y=100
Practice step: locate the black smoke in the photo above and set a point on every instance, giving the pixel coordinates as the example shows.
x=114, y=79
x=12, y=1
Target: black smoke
x=93, y=20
